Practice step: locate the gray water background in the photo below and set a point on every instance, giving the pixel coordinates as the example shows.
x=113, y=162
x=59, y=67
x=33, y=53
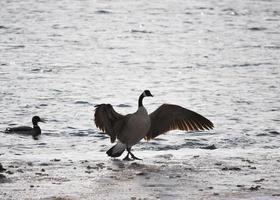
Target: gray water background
x=60, y=58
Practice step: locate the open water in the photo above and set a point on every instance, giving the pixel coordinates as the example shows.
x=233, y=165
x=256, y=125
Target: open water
x=60, y=58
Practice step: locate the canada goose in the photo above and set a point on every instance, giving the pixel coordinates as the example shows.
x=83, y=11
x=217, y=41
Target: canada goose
x=27, y=130
x=130, y=129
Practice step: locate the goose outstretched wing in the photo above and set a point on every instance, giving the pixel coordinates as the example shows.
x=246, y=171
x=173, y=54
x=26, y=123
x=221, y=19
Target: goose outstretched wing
x=108, y=120
x=171, y=117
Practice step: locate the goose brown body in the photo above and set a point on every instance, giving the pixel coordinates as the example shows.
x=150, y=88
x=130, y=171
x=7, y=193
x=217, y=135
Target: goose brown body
x=135, y=128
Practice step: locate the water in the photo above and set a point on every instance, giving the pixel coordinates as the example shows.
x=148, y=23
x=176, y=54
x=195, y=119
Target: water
x=219, y=58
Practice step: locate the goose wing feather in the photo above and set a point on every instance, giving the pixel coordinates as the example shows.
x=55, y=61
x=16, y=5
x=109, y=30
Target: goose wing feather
x=108, y=120
x=171, y=117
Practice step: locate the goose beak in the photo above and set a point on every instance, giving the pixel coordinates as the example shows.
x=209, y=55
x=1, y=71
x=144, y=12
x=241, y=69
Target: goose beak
x=149, y=94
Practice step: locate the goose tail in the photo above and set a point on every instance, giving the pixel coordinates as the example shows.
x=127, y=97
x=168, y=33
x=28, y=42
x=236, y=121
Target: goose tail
x=116, y=150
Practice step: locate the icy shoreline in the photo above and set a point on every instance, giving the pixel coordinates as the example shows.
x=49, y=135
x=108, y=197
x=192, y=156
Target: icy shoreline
x=199, y=174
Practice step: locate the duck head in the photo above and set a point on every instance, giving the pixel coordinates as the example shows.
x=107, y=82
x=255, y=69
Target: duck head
x=36, y=119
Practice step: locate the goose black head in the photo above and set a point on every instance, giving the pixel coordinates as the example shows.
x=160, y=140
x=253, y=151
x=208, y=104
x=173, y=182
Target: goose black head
x=36, y=119
x=147, y=93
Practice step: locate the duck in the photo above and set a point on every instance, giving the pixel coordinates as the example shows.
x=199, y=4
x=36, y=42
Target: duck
x=35, y=131
x=129, y=129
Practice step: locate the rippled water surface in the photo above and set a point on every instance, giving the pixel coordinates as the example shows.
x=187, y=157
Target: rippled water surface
x=60, y=58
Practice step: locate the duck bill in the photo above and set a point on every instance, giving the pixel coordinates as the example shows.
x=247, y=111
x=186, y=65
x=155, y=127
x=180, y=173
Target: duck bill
x=43, y=120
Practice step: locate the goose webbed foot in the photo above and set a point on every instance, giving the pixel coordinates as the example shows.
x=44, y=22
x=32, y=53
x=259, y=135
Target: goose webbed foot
x=134, y=157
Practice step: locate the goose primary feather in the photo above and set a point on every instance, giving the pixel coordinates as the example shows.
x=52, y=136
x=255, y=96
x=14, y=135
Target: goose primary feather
x=130, y=129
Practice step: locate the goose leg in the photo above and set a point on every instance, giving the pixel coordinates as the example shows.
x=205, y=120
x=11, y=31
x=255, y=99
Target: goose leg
x=133, y=156
x=127, y=157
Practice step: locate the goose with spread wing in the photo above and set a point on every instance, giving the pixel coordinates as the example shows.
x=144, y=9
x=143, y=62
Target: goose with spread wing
x=129, y=129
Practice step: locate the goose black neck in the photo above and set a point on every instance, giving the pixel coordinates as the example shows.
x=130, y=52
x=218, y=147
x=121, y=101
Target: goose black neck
x=140, y=101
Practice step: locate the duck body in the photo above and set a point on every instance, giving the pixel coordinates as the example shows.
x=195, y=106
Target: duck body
x=22, y=130
x=34, y=131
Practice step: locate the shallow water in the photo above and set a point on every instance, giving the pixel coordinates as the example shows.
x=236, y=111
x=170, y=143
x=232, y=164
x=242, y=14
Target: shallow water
x=58, y=59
